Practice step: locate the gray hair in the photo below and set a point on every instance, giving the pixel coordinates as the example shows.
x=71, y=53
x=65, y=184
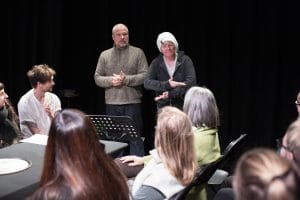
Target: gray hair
x=118, y=27
x=200, y=105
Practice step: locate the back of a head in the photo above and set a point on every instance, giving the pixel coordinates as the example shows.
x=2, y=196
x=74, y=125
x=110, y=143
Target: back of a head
x=262, y=174
x=292, y=137
x=75, y=156
x=174, y=143
x=201, y=107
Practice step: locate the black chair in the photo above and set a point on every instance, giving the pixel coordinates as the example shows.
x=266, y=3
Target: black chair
x=121, y=129
x=202, y=176
x=230, y=156
x=234, y=150
x=206, y=172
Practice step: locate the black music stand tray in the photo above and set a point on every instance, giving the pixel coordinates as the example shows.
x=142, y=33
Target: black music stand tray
x=117, y=128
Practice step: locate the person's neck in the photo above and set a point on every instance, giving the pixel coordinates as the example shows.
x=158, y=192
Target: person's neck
x=39, y=95
x=170, y=58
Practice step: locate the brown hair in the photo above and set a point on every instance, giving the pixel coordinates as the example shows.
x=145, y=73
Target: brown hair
x=12, y=115
x=76, y=165
x=40, y=73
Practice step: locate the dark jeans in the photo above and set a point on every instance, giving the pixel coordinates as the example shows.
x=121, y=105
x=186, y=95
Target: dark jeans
x=134, y=111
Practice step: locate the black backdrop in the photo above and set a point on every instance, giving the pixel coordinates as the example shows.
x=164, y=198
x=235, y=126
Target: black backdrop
x=246, y=52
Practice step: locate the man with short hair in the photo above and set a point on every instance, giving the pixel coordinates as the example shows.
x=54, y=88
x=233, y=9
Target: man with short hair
x=39, y=105
x=121, y=71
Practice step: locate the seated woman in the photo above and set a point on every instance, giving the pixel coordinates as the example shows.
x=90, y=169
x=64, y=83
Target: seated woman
x=76, y=165
x=262, y=174
x=201, y=107
x=9, y=128
x=173, y=163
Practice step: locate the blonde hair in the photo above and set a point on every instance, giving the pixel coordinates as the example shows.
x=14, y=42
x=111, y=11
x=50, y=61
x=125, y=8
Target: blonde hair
x=174, y=142
x=262, y=174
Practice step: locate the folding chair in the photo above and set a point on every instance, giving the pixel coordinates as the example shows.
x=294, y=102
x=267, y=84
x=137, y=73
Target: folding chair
x=231, y=153
x=202, y=176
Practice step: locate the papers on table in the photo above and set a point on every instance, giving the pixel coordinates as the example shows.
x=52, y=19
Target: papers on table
x=36, y=139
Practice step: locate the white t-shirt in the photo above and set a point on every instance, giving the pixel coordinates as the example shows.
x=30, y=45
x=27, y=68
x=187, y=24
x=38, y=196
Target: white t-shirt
x=31, y=110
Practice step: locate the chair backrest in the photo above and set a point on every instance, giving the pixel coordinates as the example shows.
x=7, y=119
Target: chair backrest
x=117, y=128
x=233, y=149
x=202, y=176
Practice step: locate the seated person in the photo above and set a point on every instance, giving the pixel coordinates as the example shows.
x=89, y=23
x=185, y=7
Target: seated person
x=75, y=163
x=39, y=105
x=297, y=102
x=262, y=174
x=201, y=107
x=290, y=147
x=171, y=167
x=9, y=128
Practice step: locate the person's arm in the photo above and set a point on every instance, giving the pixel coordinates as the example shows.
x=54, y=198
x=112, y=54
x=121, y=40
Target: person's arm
x=32, y=127
x=141, y=68
x=132, y=160
x=189, y=79
x=151, y=80
x=101, y=79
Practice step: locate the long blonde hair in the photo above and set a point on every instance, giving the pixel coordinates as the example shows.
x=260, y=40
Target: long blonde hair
x=174, y=141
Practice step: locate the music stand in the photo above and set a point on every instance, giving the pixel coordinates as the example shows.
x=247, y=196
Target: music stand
x=117, y=128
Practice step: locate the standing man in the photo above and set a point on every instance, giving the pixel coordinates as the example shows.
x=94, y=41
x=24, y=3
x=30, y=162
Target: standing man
x=39, y=105
x=121, y=71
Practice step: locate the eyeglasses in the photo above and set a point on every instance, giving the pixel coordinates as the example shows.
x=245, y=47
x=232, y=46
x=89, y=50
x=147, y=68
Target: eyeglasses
x=280, y=145
x=297, y=103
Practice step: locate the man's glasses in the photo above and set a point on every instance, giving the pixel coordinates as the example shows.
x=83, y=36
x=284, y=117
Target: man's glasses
x=280, y=144
x=297, y=103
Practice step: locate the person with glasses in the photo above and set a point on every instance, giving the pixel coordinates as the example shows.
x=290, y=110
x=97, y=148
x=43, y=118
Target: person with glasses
x=297, y=102
x=290, y=145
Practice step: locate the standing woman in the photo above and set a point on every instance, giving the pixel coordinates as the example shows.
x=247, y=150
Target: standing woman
x=9, y=128
x=76, y=165
x=171, y=73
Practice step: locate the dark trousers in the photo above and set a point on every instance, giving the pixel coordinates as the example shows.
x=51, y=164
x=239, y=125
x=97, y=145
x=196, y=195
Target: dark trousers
x=134, y=111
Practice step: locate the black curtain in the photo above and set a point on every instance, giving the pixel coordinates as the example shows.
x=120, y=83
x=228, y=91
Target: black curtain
x=246, y=52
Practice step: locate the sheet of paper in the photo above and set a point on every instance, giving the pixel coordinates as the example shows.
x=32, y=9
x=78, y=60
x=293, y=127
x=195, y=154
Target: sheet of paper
x=36, y=139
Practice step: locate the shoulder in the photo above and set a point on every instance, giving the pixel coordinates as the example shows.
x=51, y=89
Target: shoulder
x=205, y=131
x=158, y=59
x=135, y=49
x=26, y=97
x=52, y=96
x=106, y=52
x=182, y=56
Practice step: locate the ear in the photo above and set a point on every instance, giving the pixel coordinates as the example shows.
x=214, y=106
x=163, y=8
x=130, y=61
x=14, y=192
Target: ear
x=289, y=156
